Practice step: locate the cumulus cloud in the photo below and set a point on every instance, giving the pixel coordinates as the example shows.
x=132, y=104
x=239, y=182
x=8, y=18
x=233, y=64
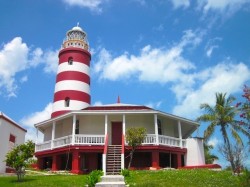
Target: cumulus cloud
x=36, y=117
x=226, y=77
x=151, y=65
x=16, y=56
x=93, y=5
x=180, y=3
x=13, y=58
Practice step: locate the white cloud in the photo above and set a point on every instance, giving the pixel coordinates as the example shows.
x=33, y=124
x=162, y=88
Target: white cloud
x=154, y=104
x=180, y=3
x=98, y=103
x=36, y=117
x=151, y=65
x=211, y=46
x=15, y=57
x=93, y=5
x=226, y=77
x=223, y=5
x=214, y=142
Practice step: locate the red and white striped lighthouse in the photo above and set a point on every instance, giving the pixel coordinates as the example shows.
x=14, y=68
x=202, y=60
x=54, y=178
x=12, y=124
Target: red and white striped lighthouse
x=72, y=89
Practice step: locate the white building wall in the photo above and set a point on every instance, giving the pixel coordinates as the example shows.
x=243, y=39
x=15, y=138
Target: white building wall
x=7, y=128
x=195, y=152
x=92, y=125
x=146, y=121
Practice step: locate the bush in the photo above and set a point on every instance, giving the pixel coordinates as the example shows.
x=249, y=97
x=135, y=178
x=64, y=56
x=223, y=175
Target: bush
x=94, y=177
x=245, y=178
x=125, y=172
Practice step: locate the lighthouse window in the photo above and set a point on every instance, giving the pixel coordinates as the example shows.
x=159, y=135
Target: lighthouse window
x=70, y=61
x=67, y=101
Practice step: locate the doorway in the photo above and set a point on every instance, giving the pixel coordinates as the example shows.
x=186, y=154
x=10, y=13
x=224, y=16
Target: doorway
x=116, y=133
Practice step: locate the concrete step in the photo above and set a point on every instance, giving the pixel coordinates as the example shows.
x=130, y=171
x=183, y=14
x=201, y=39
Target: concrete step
x=113, y=173
x=110, y=184
x=111, y=181
x=116, y=178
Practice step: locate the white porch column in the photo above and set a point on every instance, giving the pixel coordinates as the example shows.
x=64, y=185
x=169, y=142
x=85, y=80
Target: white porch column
x=123, y=124
x=180, y=133
x=36, y=135
x=123, y=134
x=106, y=125
x=53, y=135
x=156, y=130
x=73, y=129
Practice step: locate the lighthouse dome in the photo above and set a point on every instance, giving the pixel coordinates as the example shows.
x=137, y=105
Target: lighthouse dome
x=77, y=28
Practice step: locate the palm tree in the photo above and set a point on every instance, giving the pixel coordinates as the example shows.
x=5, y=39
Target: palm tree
x=223, y=115
x=209, y=157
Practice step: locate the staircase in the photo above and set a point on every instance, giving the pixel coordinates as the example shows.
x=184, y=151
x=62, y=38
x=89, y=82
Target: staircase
x=113, y=166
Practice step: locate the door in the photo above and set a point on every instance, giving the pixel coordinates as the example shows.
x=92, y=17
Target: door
x=116, y=133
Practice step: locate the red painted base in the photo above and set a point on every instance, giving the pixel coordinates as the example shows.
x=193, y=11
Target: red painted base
x=206, y=166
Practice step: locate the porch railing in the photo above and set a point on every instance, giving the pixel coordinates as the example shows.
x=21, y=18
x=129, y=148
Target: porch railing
x=43, y=146
x=90, y=139
x=80, y=139
x=60, y=142
x=163, y=140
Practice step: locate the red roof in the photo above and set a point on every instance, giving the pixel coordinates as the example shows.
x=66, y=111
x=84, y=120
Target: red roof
x=118, y=107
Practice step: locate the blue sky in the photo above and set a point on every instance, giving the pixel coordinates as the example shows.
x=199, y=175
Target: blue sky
x=171, y=55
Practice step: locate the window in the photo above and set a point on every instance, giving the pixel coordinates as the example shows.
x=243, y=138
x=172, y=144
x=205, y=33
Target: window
x=12, y=141
x=67, y=101
x=70, y=61
x=77, y=127
x=159, y=127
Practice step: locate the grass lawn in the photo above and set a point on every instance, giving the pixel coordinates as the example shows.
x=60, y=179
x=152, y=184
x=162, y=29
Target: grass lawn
x=192, y=178
x=45, y=181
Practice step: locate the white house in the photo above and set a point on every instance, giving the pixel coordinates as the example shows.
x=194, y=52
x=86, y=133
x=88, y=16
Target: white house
x=11, y=134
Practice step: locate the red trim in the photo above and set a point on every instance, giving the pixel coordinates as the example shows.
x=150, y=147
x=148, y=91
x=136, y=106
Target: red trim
x=58, y=113
x=117, y=108
x=73, y=75
x=78, y=54
x=12, y=122
x=73, y=95
x=202, y=166
x=100, y=148
x=90, y=149
x=106, y=145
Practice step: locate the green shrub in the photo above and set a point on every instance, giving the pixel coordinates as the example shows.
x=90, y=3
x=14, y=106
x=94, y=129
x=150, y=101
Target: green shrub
x=125, y=172
x=94, y=177
x=245, y=178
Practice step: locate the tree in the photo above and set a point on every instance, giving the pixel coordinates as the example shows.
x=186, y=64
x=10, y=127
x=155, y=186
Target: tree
x=17, y=158
x=209, y=157
x=238, y=153
x=223, y=115
x=135, y=137
x=244, y=108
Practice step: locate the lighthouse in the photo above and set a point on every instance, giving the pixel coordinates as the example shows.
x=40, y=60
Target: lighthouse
x=72, y=88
